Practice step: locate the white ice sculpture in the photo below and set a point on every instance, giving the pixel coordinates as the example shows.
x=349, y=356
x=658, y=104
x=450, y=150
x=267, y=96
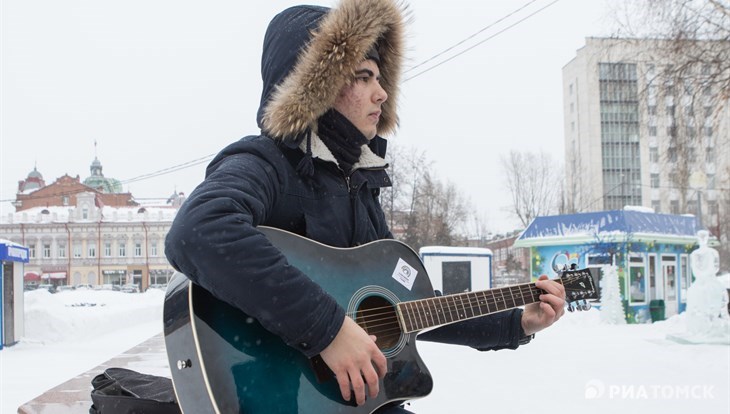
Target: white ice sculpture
x=706, y=315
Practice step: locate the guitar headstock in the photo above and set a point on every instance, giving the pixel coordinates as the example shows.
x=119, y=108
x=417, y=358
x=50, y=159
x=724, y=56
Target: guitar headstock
x=579, y=287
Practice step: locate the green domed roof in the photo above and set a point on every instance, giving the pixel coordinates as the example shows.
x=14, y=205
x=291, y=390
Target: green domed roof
x=101, y=183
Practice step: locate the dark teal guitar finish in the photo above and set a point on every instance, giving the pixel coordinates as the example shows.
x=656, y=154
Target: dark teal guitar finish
x=224, y=361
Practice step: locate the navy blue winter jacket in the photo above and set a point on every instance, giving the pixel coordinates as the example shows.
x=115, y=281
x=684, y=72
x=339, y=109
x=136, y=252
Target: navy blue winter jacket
x=252, y=182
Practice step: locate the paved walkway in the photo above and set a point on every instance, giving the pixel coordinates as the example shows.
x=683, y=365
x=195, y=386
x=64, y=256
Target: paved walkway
x=73, y=396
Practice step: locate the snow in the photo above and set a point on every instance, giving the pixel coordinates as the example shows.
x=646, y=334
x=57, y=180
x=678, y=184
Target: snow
x=578, y=363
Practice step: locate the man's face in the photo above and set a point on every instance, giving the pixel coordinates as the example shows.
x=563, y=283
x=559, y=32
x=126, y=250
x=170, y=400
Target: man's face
x=360, y=101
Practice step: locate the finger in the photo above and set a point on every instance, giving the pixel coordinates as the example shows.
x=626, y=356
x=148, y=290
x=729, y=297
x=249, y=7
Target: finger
x=381, y=364
x=371, y=377
x=343, y=380
x=548, y=311
x=551, y=287
x=555, y=302
x=358, y=386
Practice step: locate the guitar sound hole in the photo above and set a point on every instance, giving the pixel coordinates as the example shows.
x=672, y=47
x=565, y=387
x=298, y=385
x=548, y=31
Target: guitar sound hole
x=378, y=317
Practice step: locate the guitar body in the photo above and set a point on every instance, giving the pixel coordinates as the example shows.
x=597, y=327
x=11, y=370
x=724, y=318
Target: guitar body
x=224, y=361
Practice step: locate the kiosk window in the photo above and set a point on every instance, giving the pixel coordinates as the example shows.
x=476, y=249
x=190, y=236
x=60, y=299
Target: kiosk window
x=457, y=277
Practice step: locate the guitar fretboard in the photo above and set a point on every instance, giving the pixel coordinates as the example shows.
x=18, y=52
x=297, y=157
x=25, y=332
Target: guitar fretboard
x=442, y=310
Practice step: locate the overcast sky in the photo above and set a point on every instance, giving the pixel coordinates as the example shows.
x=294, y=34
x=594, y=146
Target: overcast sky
x=161, y=83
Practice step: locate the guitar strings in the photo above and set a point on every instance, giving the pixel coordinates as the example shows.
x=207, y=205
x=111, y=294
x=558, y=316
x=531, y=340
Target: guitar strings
x=471, y=299
x=522, y=289
x=391, y=323
x=451, y=306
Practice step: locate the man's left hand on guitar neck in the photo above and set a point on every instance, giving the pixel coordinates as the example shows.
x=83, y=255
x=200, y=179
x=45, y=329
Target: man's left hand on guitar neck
x=538, y=316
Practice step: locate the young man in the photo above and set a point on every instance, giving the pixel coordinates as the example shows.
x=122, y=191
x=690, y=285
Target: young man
x=330, y=84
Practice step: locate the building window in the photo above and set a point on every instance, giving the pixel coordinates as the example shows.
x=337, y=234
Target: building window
x=137, y=249
x=62, y=250
x=710, y=181
x=691, y=132
x=85, y=213
x=710, y=154
x=655, y=181
x=708, y=131
x=570, y=88
x=122, y=249
x=654, y=154
x=107, y=249
x=670, y=110
x=652, y=109
x=31, y=250
x=652, y=131
x=674, y=207
x=64, y=200
x=153, y=249
x=656, y=205
x=46, y=250
x=92, y=250
x=77, y=250
x=672, y=132
x=672, y=154
x=572, y=107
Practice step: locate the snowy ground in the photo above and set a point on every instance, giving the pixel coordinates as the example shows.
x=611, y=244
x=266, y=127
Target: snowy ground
x=578, y=364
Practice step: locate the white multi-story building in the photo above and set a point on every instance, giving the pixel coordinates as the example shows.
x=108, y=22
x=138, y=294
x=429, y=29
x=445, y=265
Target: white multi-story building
x=635, y=136
x=88, y=244
x=89, y=232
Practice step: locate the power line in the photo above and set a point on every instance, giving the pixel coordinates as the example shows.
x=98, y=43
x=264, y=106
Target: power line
x=479, y=43
x=469, y=38
x=168, y=170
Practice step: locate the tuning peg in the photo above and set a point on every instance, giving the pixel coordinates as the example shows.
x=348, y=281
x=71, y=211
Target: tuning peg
x=573, y=266
x=571, y=308
x=586, y=305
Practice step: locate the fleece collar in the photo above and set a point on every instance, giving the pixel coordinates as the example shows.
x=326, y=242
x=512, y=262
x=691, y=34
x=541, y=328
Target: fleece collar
x=368, y=159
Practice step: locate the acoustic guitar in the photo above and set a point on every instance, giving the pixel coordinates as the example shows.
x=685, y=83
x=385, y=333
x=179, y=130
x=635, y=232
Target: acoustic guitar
x=224, y=361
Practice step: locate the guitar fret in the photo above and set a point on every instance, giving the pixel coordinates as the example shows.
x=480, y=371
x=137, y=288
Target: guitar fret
x=504, y=305
x=441, y=303
x=486, y=301
x=521, y=295
x=450, y=306
x=421, y=316
x=427, y=309
x=512, y=297
x=436, y=311
x=408, y=314
x=416, y=317
x=471, y=306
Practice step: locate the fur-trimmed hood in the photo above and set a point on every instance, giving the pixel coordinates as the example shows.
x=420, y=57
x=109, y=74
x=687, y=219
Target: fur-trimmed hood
x=311, y=52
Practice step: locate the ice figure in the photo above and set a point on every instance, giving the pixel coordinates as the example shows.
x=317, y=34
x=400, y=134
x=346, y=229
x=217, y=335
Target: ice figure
x=612, y=309
x=706, y=315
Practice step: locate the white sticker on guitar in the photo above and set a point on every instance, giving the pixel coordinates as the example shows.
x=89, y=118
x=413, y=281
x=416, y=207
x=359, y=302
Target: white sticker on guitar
x=405, y=274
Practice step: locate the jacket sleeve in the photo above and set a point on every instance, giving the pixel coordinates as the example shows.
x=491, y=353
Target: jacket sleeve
x=487, y=333
x=214, y=242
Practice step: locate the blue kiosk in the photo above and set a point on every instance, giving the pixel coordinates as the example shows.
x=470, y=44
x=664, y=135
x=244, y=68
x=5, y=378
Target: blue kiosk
x=650, y=250
x=12, y=258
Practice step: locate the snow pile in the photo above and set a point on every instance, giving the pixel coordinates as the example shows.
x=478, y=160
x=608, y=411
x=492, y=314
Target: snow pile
x=82, y=314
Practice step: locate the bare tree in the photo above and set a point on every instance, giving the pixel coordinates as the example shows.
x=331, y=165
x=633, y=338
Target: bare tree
x=692, y=38
x=421, y=209
x=534, y=183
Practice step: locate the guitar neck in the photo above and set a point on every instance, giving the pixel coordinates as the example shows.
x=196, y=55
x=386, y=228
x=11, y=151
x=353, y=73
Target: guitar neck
x=443, y=310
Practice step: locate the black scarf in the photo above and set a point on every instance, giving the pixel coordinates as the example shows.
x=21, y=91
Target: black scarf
x=342, y=138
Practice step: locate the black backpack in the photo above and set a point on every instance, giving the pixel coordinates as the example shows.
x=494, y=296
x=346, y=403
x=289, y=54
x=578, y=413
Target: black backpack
x=123, y=391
